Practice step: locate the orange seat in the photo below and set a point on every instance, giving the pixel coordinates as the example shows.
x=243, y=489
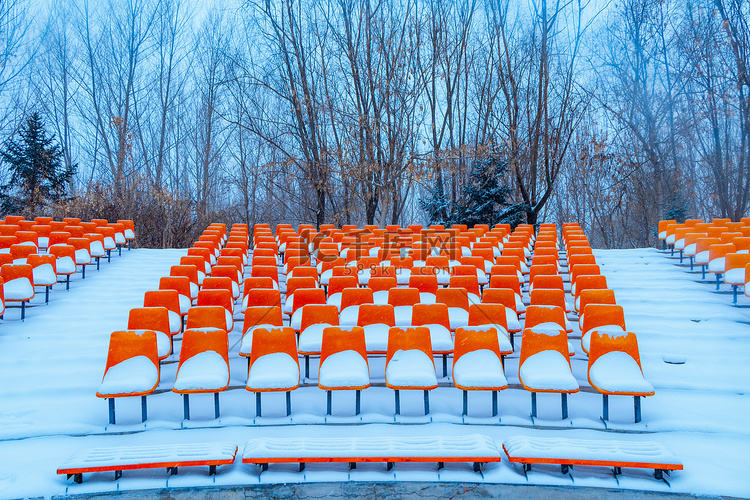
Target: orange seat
x=218, y=297
x=203, y=367
x=180, y=284
x=615, y=369
x=351, y=300
x=170, y=299
x=717, y=259
x=18, y=284
x=266, y=272
x=198, y=263
x=268, y=317
x=605, y=317
x=130, y=352
x=409, y=364
x=477, y=364
x=457, y=300
x=156, y=319
x=43, y=271
x=549, y=282
x=491, y=316
x=82, y=253
x=343, y=363
x=189, y=272
x=376, y=321
x=273, y=365
x=206, y=317
x=594, y=296
x=544, y=365
x=508, y=298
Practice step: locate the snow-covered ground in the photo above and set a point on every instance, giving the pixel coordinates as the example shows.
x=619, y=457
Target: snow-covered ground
x=52, y=364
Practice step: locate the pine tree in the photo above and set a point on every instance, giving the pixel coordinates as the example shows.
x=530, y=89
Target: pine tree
x=38, y=176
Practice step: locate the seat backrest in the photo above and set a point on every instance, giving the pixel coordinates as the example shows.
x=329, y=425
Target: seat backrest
x=506, y=281
x=371, y=314
x=584, y=270
x=720, y=250
x=453, y=297
x=550, y=282
x=305, y=296
x=206, y=317
x=316, y=314
x=604, y=342
x=548, y=297
x=337, y=284
x=163, y=298
x=424, y=283
x=736, y=261
x=536, y=315
x=149, y=318
x=22, y=251
x=355, y=297
x=596, y=296
x=263, y=297
x=468, y=283
x=62, y=251
x=124, y=345
x=382, y=283
x=417, y=337
x=703, y=244
x=294, y=283
x=261, y=315
x=17, y=271
x=383, y=272
x=535, y=342
x=403, y=296
x=578, y=259
x=462, y=270
x=473, y=340
x=487, y=314
x=265, y=272
x=504, y=296
x=430, y=314
x=216, y=297
x=337, y=340
x=508, y=260
x=276, y=340
x=35, y=260
x=181, y=284
x=305, y=272
x=250, y=283
x=80, y=243
x=203, y=253
x=198, y=341
x=590, y=282
x=596, y=315
x=189, y=272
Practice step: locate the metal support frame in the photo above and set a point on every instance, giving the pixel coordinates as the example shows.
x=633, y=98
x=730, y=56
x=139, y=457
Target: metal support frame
x=172, y=471
x=605, y=407
x=83, y=271
x=466, y=403
x=494, y=403
x=257, y=404
x=659, y=473
x=680, y=256
x=637, y=408
x=97, y=263
x=734, y=294
x=426, y=402
x=441, y=465
x=67, y=282
x=46, y=293
x=301, y=466
x=718, y=281
x=109, y=256
x=186, y=406
x=398, y=402
x=357, y=401
x=307, y=366
x=352, y=465
x=111, y=402
x=445, y=365
x=211, y=470
x=691, y=263
x=533, y=404
x=512, y=342
x=144, y=409
x=118, y=474
x=23, y=310
x=564, y=468
x=216, y=405
x=288, y=403
x=564, y=401
x=477, y=466
x=328, y=402
x=388, y=466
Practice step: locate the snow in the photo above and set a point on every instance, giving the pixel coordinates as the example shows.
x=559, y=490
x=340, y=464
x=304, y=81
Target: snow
x=376, y=337
x=547, y=371
x=273, y=371
x=44, y=275
x=18, y=289
x=618, y=372
x=611, y=330
x=410, y=368
x=458, y=317
x=206, y=370
x=480, y=368
x=608, y=450
x=185, y=303
x=52, y=366
x=246, y=344
x=440, y=338
x=503, y=337
x=136, y=374
x=735, y=276
x=717, y=265
x=160, y=453
x=82, y=256
x=344, y=369
x=311, y=338
x=175, y=322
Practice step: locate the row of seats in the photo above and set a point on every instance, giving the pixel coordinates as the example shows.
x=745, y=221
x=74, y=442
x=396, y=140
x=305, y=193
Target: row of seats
x=41, y=252
x=721, y=247
x=196, y=299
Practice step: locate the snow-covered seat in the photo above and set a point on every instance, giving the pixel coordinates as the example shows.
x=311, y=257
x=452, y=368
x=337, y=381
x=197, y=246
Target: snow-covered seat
x=403, y=301
x=314, y=319
x=292, y=284
x=457, y=300
x=528, y=450
x=594, y=296
x=18, y=284
x=474, y=448
x=507, y=265
x=169, y=299
x=615, y=368
x=208, y=258
x=267, y=272
x=303, y=298
x=381, y=286
x=156, y=319
x=273, y=365
x=580, y=270
x=436, y=318
x=468, y=283
x=511, y=282
x=351, y=300
x=203, y=367
x=82, y=254
x=219, y=297
x=598, y=316
x=544, y=365
x=717, y=259
x=551, y=298
x=181, y=285
x=336, y=286
x=43, y=271
x=477, y=363
x=548, y=317
x=734, y=271
x=230, y=272
x=663, y=224
x=206, y=318
x=409, y=364
x=593, y=282
x=507, y=298
x=132, y=368
x=546, y=282
x=427, y=284
x=483, y=317
x=343, y=363
x=256, y=317
x=189, y=272
x=376, y=321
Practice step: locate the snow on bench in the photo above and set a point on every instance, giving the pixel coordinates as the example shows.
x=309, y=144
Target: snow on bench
x=148, y=457
x=609, y=453
x=476, y=448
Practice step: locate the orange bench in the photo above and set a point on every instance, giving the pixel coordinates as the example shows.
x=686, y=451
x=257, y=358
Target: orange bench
x=476, y=448
x=528, y=450
x=169, y=456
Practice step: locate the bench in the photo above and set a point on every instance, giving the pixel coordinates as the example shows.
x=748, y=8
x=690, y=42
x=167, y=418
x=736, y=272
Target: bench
x=610, y=453
x=148, y=457
x=474, y=448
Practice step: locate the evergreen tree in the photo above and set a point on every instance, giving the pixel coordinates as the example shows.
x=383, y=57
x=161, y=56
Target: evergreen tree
x=38, y=176
x=437, y=206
